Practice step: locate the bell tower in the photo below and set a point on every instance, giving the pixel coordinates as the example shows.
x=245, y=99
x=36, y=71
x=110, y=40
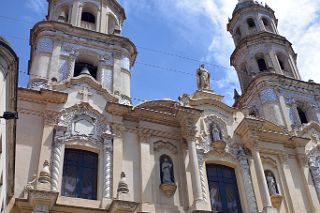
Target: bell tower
x=82, y=39
x=259, y=46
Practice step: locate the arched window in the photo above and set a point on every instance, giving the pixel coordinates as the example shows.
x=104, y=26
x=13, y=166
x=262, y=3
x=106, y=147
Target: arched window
x=272, y=183
x=88, y=17
x=302, y=116
x=251, y=23
x=166, y=169
x=261, y=64
x=224, y=195
x=267, y=24
x=80, y=174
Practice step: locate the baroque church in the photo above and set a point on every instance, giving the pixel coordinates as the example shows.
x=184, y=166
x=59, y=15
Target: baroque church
x=81, y=146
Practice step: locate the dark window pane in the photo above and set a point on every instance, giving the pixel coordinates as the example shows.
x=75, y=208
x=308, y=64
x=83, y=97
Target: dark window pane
x=80, y=174
x=302, y=116
x=262, y=64
x=215, y=197
x=224, y=194
x=88, y=17
x=251, y=23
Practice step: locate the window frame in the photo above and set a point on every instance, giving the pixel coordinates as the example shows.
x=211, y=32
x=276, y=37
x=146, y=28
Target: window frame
x=80, y=171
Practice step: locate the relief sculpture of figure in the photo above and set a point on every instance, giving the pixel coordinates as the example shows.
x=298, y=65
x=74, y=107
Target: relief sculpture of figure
x=203, y=78
x=166, y=169
x=216, y=134
x=271, y=183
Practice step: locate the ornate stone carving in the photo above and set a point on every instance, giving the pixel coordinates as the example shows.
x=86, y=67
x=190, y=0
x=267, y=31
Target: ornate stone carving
x=276, y=200
x=202, y=175
x=69, y=130
x=38, y=84
x=168, y=188
x=184, y=100
x=314, y=164
x=108, y=155
x=165, y=145
x=268, y=95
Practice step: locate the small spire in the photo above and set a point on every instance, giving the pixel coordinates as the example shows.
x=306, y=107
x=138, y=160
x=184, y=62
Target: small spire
x=123, y=186
x=236, y=95
x=45, y=176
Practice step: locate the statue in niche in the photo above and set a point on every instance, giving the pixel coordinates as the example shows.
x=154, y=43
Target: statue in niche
x=203, y=78
x=216, y=133
x=166, y=169
x=271, y=181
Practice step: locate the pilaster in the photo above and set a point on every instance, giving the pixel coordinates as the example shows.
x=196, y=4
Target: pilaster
x=118, y=130
x=146, y=172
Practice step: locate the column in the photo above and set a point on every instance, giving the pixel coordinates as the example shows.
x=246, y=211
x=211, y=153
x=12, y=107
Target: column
x=308, y=185
x=266, y=200
x=146, y=174
x=79, y=15
x=107, y=166
x=195, y=176
x=105, y=74
x=57, y=158
x=98, y=22
x=118, y=131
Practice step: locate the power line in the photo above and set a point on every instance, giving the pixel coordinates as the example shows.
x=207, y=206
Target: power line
x=146, y=49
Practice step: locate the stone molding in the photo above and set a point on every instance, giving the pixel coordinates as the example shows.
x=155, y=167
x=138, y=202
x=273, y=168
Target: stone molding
x=165, y=145
x=101, y=139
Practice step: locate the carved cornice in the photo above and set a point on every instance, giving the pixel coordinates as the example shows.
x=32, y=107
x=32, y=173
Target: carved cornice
x=86, y=79
x=65, y=31
x=43, y=96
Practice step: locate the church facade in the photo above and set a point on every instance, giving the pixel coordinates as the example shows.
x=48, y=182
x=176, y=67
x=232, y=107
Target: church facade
x=81, y=146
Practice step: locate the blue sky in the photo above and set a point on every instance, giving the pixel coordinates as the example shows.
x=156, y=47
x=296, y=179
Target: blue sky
x=174, y=36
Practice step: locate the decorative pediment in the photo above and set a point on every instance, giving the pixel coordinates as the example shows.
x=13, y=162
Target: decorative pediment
x=90, y=81
x=81, y=122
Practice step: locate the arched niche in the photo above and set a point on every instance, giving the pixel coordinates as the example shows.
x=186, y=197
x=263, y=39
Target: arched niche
x=166, y=169
x=113, y=24
x=86, y=63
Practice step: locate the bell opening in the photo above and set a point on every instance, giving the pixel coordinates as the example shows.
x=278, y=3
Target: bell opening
x=85, y=69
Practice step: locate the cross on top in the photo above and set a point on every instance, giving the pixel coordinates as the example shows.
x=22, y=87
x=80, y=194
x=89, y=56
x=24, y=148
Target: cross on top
x=85, y=94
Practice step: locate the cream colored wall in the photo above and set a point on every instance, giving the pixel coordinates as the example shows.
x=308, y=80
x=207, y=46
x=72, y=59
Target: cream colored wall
x=29, y=137
x=296, y=188
x=131, y=164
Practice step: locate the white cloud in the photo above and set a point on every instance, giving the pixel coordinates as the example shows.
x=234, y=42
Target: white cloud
x=299, y=21
x=38, y=6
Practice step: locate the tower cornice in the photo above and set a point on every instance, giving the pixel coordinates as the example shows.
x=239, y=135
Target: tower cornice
x=60, y=30
x=256, y=7
x=262, y=37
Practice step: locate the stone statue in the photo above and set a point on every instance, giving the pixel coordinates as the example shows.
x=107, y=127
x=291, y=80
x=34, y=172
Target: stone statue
x=203, y=78
x=167, y=171
x=271, y=183
x=216, y=133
